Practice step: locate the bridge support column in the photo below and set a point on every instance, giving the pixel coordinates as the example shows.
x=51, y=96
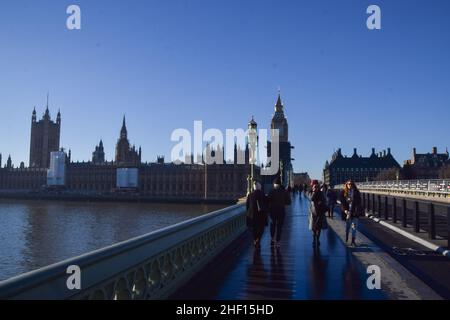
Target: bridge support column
x=379, y=206
x=404, y=213
x=373, y=204
x=416, y=217
x=386, y=212
x=431, y=224
x=394, y=210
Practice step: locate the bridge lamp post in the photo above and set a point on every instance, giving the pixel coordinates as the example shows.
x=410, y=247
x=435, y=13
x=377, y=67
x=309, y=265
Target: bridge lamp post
x=252, y=140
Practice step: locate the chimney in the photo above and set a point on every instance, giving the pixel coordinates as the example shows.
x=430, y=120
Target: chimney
x=384, y=153
x=373, y=151
x=389, y=151
x=355, y=151
x=434, y=150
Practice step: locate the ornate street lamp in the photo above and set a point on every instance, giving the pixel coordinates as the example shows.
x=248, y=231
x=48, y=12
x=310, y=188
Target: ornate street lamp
x=252, y=142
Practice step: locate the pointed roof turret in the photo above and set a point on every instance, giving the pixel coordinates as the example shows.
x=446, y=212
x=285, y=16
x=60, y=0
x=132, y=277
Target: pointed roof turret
x=33, y=115
x=279, y=104
x=252, y=123
x=123, y=131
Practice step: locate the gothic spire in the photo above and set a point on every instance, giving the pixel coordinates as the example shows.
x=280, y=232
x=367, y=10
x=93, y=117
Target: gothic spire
x=46, y=109
x=123, y=131
x=279, y=105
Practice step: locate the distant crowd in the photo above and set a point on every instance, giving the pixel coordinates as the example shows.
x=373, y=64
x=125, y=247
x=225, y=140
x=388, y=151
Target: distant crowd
x=269, y=209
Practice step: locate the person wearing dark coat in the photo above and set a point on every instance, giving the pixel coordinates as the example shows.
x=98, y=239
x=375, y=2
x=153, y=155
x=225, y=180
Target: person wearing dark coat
x=256, y=213
x=331, y=202
x=278, y=199
x=318, y=210
x=351, y=207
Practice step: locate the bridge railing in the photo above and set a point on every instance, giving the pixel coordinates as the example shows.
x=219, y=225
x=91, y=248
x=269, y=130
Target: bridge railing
x=151, y=266
x=433, y=188
x=422, y=216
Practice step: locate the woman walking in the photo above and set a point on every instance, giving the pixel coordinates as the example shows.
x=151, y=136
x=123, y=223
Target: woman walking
x=351, y=207
x=257, y=213
x=317, y=212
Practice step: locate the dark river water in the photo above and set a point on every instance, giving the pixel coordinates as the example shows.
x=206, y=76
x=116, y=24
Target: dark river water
x=34, y=234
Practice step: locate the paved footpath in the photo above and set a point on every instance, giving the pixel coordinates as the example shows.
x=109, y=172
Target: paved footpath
x=298, y=271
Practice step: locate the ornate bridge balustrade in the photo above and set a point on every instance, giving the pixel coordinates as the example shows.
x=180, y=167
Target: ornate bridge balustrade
x=151, y=266
x=429, y=188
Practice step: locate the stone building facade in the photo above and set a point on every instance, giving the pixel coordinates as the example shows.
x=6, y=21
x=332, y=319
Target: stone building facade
x=426, y=165
x=157, y=180
x=44, y=138
x=358, y=168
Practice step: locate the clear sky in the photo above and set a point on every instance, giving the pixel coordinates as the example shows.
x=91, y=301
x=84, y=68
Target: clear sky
x=167, y=63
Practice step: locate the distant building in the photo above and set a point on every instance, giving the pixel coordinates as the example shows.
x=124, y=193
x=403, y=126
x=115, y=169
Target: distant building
x=126, y=155
x=160, y=180
x=98, y=156
x=285, y=170
x=425, y=165
x=342, y=168
x=301, y=179
x=45, y=135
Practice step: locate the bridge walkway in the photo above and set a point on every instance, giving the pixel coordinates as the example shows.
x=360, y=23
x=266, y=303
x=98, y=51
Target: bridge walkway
x=295, y=271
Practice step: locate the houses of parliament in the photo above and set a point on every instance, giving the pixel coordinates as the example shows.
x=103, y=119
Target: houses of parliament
x=156, y=180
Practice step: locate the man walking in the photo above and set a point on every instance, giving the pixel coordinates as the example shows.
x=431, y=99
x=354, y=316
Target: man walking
x=278, y=199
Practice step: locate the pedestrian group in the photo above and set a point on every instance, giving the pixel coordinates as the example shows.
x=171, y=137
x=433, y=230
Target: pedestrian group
x=323, y=202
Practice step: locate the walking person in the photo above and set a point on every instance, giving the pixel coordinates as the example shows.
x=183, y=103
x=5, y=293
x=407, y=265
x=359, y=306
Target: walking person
x=317, y=212
x=257, y=213
x=351, y=207
x=278, y=199
x=331, y=202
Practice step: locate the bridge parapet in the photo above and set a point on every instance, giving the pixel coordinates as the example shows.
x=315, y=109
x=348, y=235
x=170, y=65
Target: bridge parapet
x=426, y=217
x=150, y=266
x=429, y=188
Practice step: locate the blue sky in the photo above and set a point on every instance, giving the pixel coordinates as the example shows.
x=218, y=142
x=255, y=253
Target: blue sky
x=167, y=63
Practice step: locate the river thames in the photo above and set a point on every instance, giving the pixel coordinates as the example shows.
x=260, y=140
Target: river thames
x=36, y=233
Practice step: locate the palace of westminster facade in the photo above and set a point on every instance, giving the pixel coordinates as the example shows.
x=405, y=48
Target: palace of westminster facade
x=159, y=180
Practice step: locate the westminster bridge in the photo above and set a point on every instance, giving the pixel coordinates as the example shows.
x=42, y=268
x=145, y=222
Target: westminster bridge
x=405, y=235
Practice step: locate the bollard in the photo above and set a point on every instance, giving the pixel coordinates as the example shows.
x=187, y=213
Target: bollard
x=431, y=224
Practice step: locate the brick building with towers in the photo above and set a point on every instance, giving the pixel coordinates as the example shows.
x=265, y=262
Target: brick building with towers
x=100, y=177
x=45, y=135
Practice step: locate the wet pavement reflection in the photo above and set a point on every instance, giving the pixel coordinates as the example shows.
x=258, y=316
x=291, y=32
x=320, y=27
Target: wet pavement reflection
x=295, y=271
